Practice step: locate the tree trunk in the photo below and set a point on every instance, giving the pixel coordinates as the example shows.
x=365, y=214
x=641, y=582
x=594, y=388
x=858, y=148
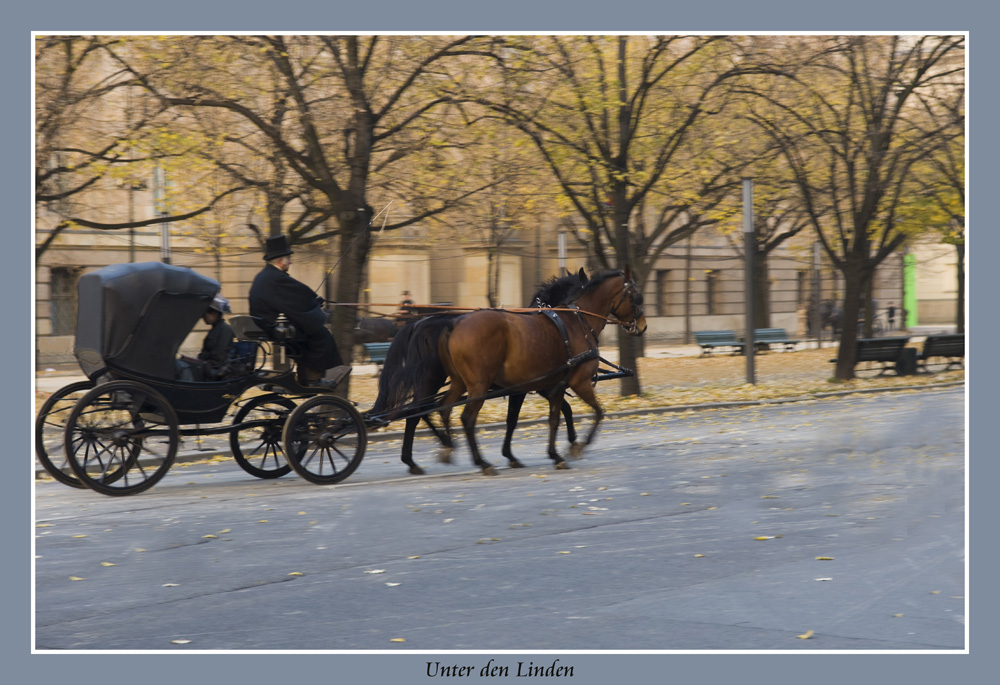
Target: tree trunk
x=354, y=247
x=847, y=355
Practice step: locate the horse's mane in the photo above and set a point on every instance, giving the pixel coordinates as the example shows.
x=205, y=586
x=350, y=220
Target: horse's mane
x=557, y=290
x=599, y=278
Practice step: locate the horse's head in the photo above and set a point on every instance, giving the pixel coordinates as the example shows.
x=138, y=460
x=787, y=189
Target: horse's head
x=627, y=308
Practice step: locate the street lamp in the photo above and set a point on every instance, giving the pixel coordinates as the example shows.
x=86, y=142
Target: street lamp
x=749, y=250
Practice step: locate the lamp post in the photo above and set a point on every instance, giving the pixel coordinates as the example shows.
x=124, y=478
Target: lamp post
x=749, y=250
x=159, y=202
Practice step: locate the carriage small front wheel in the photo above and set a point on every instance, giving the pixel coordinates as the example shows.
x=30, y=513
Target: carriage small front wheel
x=258, y=448
x=325, y=439
x=121, y=438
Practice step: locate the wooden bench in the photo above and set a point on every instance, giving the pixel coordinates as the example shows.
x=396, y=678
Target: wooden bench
x=711, y=340
x=376, y=352
x=883, y=351
x=763, y=338
x=950, y=346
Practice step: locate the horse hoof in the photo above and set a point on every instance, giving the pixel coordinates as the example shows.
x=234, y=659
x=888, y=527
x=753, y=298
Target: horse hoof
x=515, y=464
x=562, y=465
x=576, y=450
x=444, y=455
x=489, y=471
x=416, y=471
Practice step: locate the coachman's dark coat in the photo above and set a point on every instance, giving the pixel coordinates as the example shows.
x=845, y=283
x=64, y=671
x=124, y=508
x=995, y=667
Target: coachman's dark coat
x=274, y=292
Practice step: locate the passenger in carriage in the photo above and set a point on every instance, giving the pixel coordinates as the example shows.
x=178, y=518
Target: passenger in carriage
x=274, y=292
x=215, y=359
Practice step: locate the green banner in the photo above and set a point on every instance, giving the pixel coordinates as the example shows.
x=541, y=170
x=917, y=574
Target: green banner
x=910, y=289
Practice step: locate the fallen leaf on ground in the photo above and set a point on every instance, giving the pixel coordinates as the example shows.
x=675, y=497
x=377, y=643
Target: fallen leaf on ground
x=76, y=578
x=107, y=563
x=180, y=642
x=806, y=635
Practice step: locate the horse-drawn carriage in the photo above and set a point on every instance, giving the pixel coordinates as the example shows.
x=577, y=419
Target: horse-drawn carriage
x=118, y=432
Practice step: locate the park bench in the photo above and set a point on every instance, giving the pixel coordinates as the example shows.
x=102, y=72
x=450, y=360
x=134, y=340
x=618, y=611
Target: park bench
x=950, y=346
x=376, y=352
x=886, y=352
x=763, y=338
x=712, y=340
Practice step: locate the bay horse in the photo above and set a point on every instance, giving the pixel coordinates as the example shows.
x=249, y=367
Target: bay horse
x=413, y=374
x=525, y=352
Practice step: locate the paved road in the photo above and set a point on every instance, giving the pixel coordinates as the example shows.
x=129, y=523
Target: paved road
x=729, y=529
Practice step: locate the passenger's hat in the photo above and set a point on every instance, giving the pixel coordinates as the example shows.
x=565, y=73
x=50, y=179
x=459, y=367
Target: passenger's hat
x=220, y=304
x=276, y=246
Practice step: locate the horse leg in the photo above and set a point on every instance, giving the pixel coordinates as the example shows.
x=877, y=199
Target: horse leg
x=586, y=393
x=443, y=437
x=575, y=446
x=407, y=455
x=514, y=403
x=454, y=392
x=469, y=416
x=555, y=400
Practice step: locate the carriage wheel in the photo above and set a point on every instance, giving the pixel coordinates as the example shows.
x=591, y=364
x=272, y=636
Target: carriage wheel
x=121, y=438
x=325, y=439
x=50, y=427
x=259, y=450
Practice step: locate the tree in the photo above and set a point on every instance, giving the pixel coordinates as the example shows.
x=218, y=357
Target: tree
x=940, y=202
x=85, y=146
x=851, y=123
x=348, y=115
x=614, y=119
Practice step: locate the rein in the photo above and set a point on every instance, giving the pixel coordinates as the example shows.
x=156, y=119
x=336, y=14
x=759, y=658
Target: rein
x=512, y=310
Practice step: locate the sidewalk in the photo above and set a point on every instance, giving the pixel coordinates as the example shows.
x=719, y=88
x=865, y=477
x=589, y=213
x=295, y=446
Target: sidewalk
x=51, y=379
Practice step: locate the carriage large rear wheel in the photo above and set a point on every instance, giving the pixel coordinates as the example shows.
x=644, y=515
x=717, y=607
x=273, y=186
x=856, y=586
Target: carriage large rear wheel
x=121, y=438
x=50, y=430
x=258, y=449
x=325, y=439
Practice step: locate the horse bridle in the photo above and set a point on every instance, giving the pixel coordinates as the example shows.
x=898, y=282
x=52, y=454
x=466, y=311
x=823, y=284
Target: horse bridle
x=629, y=291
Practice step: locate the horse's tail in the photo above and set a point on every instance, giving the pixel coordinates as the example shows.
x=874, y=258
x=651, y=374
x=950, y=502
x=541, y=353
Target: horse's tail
x=413, y=370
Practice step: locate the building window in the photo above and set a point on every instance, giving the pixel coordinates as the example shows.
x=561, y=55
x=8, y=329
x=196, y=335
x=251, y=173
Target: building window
x=711, y=291
x=63, y=299
x=800, y=288
x=662, y=289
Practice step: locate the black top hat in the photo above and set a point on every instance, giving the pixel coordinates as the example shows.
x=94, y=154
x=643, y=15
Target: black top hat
x=276, y=246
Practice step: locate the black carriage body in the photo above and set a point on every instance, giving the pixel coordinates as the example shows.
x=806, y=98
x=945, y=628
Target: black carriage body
x=131, y=323
x=134, y=317
x=194, y=402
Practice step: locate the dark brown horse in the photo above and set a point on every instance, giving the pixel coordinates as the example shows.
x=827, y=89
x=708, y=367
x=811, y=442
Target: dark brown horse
x=524, y=352
x=413, y=374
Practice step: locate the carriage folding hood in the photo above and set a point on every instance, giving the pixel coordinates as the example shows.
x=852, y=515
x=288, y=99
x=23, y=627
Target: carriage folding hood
x=136, y=316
